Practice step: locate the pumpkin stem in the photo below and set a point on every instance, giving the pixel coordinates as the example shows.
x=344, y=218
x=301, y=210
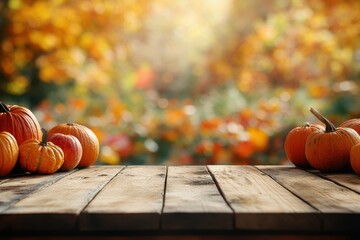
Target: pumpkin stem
x=329, y=126
x=4, y=108
x=306, y=124
x=70, y=124
x=44, y=139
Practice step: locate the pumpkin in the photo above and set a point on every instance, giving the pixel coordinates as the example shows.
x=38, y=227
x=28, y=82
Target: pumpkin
x=88, y=140
x=9, y=152
x=295, y=143
x=20, y=122
x=352, y=123
x=329, y=150
x=71, y=147
x=41, y=157
x=355, y=158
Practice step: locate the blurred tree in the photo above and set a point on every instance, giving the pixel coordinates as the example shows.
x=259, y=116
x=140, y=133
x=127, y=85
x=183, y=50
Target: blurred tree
x=299, y=43
x=45, y=44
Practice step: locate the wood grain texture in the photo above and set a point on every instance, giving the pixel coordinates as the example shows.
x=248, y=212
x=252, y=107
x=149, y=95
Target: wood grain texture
x=193, y=202
x=13, y=189
x=338, y=205
x=57, y=206
x=132, y=200
x=261, y=203
x=349, y=180
x=180, y=199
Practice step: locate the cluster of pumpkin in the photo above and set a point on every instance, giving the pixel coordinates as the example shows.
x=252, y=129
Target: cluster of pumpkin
x=22, y=141
x=327, y=149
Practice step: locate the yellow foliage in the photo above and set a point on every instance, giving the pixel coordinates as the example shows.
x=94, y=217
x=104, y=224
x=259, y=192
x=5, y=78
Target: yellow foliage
x=52, y=29
x=109, y=156
x=18, y=85
x=259, y=138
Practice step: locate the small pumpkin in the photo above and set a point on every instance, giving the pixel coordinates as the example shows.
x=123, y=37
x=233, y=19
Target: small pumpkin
x=295, y=143
x=41, y=157
x=20, y=122
x=71, y=147
x=9, y=152
x=88, y=140
x=352, y=123
x=355, y=158
x=329, y=150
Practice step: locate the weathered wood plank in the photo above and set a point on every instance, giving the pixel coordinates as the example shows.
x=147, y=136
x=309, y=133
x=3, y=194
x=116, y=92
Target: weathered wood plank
x=349, y=180
x=262, y=204
x=13, y=189
x=339, y=206
x=57, y=206
x=193, y=202
x=132, y=200
x=3, y=179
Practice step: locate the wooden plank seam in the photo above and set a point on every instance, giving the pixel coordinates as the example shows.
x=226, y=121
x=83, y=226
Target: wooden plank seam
x=338, y=206
x=36, y=188
x=223, y=196
x=164, y=197
x=334, y=180
x=187, y=198
x=193, y=201
x=45, y=210
x=288, y=189
x=131, y=201
x=77, y=223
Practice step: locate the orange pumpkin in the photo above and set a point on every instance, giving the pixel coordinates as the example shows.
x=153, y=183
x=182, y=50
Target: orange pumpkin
x=41, y=157
x=295, y=143
x=355, y=158
x=329, y=150
x=20, y=122
x=9, y=152
x=352, y=123
x=89, y=142
x=71, y=147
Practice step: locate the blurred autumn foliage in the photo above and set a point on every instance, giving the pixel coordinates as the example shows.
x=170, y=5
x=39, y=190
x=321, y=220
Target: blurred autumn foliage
x=182, y=82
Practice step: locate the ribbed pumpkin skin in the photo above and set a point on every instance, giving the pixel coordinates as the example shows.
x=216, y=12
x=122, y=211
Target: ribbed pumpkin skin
x=355, y=158
x=330, y=151
x=352, y=123
x=36, y=158
x=20, y=122
x=295, y=143
x=87, y=138
x=9, y=152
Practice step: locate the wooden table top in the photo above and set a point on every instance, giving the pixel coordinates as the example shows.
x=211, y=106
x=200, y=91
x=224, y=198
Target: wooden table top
x=181, y=198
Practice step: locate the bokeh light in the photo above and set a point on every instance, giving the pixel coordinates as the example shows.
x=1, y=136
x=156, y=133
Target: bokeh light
x=180, y=81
